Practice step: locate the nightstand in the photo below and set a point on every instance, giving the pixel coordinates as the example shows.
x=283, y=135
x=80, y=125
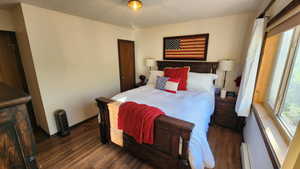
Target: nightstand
x=140, y=84
x=225, y=115
x=143, y=81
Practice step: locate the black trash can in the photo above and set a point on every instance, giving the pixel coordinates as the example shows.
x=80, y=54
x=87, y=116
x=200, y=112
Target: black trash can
x=62, y=123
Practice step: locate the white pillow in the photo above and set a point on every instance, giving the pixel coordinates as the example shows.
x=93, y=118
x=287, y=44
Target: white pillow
x=201, y=81
x=153, y=76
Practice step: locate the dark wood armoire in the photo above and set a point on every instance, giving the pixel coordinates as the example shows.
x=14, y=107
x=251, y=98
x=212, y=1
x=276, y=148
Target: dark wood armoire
x=17, y=145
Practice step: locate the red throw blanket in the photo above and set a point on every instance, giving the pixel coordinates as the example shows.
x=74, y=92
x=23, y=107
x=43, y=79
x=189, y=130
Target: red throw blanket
x=137, y=120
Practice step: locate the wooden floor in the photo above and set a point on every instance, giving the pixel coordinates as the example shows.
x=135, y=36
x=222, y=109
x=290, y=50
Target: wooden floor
x=83, y=150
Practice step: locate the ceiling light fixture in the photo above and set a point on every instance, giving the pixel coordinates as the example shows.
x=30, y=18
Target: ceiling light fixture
x=135, y=4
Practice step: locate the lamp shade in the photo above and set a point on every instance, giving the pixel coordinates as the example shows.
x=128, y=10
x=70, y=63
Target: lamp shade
x=226, y=65
x=150, y=62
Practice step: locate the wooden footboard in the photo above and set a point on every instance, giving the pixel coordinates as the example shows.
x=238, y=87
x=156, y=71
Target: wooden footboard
x=166, y=152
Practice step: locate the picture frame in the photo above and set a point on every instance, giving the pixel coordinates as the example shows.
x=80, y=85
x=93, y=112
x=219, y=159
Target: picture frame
x=187, y=47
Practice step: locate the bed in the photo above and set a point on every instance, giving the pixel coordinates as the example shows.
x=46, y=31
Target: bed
x=180, y=136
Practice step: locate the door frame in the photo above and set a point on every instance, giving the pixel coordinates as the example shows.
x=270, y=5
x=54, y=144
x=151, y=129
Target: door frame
x=120, y=66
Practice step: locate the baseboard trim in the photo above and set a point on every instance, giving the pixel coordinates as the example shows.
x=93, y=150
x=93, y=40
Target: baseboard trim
x=86, y=120
x=76, y=125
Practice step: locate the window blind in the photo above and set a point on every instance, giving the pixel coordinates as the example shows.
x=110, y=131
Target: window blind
x=288, y=21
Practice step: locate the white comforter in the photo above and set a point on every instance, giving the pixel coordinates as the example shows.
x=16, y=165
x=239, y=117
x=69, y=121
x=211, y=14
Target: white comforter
x=192, y=106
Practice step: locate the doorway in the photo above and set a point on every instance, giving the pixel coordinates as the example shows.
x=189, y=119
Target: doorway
x=126, y=64
x=12, y=71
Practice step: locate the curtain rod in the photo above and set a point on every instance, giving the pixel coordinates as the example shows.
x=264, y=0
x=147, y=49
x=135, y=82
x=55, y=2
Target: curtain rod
x=262, y=14
x=293, y=4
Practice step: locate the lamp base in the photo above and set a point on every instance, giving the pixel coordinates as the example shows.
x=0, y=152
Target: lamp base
x=223, y=93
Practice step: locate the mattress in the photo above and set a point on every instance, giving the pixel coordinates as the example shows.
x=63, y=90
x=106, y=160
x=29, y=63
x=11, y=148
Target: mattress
x=193, y=106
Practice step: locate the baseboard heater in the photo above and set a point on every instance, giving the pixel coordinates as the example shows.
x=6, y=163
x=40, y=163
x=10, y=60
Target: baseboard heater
x=245, y=156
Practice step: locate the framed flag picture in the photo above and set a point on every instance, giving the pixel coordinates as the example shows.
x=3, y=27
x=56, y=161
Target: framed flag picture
x=191, y=47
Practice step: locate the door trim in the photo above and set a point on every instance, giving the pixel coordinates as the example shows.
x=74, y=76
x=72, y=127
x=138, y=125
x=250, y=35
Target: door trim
x=120, y=66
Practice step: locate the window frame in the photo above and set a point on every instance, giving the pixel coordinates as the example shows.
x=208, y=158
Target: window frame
x=277, y=98
x=291, y=62
x=284, y=81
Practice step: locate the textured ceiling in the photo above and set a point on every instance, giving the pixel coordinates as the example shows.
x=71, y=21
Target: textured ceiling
x=154, y=12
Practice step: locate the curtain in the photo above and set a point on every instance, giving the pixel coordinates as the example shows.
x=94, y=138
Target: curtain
x=245, y=95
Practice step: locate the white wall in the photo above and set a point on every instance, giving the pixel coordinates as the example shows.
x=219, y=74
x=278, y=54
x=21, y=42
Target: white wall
x=258, y=153
x=75, y=60
x=228, y=38
x=29, y=69
x=6, y=20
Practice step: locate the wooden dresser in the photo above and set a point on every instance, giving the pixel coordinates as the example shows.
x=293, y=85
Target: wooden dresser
x=225, y=115
x=17, y=145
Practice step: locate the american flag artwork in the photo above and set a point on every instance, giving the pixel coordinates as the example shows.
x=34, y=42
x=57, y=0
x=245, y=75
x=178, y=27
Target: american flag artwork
x=192, y=47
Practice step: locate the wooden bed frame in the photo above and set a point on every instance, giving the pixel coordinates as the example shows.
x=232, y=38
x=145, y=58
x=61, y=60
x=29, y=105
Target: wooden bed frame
x=168, y=131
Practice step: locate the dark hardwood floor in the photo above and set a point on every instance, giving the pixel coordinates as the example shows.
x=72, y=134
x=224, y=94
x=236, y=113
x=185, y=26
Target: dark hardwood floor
x=83, y=150
x=39, y=134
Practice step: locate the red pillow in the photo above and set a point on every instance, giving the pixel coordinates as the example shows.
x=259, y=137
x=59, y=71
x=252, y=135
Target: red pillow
x=178, y=73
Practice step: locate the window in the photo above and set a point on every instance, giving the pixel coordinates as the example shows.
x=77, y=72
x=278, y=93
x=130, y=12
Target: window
x=283, y=89
x=290, y=108
x=279, y=66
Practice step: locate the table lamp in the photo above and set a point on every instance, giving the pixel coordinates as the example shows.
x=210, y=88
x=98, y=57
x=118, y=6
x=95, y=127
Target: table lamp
x=150, y=63
x=225, y=66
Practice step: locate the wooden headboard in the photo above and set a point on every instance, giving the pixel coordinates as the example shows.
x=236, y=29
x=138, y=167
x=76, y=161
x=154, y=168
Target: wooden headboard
x=198, y=67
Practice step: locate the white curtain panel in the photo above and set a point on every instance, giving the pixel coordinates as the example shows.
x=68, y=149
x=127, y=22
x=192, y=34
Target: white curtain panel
x=245, y=95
